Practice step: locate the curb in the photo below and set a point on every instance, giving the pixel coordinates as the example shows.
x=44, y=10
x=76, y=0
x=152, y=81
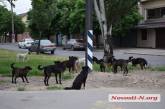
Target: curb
x=145, y=54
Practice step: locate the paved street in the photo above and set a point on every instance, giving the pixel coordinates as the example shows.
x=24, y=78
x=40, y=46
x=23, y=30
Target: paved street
x=154, y=57
x=88, y=99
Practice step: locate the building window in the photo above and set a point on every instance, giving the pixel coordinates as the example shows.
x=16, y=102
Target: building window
x=156, y=13
x=144, y=35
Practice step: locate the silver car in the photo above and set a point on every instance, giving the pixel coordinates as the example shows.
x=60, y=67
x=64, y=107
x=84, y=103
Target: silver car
x=45, y=46
x=74, y=44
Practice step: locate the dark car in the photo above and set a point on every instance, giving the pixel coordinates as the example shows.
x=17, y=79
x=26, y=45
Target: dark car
x=45, y=46
x=75, y=44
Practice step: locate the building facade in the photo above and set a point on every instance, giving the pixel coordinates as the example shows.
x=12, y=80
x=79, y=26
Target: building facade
x=151, y=30
x=21, y=37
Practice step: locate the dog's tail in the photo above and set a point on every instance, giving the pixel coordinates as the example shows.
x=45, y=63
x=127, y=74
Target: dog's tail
x=68, y=88
x=40, y=68
x=145, y=63
x=12, y=66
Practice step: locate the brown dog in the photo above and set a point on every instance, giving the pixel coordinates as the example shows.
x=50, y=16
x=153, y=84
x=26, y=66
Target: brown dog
x=20, y=72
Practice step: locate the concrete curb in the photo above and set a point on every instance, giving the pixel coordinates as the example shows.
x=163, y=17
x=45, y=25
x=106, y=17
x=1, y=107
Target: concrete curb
x=144, y=54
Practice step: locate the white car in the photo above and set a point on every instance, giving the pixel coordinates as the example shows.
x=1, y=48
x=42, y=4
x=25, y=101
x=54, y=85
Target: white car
x=75, y=44
x=26, y=43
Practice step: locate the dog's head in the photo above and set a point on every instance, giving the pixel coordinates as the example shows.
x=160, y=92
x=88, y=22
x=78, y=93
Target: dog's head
x=74, y=58
x=28, y=68
x=86, y=68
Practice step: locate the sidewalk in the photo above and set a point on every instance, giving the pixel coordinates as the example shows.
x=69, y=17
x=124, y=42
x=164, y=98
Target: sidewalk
x=143, y=51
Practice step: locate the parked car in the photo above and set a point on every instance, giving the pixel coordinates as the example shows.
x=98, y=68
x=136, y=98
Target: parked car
x=45, y=46
x=75, y=44
x=26, y=43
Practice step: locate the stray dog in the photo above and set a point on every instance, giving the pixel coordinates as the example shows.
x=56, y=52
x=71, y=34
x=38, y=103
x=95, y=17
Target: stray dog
x=79, y=62
x=101, y=63
x=122, y=63
x=79, y=80
x=141, y=61
x=20, y=72
x=21, y=56
x=70, y=64
x=57, y=69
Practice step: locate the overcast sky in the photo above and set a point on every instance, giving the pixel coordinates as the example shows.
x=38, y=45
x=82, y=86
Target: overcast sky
x=21, y=6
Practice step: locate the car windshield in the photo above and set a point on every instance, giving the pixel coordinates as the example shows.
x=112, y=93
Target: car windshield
x=45, y=42
x=28, y=39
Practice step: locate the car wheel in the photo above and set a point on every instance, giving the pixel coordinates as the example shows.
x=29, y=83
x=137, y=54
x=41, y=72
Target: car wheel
x=52, y=52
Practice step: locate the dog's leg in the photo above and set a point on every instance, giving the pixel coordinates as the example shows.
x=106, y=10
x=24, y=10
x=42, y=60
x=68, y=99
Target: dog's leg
x=69, y=69
x=60, y=78
x=26, y=79
x=48, y=80
x=56, y=78
x=45, y=78
x=15, y=80
x=23, y=79
x=12, y=76
x=141, y=66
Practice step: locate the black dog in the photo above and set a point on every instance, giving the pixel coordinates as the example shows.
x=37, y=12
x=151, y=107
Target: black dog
x=80, y=79
x=57, y=69
x=20, y=72
x=122, y=63
x=141, y=61
x=70, y=64
x=101, y=63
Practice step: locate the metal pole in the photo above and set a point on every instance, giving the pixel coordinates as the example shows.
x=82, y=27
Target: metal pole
x=12, y=23
x=89, y=34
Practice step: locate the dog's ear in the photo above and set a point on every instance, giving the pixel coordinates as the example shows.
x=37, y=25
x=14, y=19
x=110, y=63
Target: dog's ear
x=28, y=67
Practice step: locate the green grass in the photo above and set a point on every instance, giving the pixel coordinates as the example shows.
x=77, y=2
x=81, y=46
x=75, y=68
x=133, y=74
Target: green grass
x=8, y=57
x=21, y=89
x=160, y=68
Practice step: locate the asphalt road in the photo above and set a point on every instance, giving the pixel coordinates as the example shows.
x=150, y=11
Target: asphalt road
x=84, y=99
x=119, y=53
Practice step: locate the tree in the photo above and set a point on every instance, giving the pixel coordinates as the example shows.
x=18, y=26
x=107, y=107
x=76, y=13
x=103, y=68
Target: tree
x=108, y=13
x=127, y=23
x=41, y=16
x=5, y=22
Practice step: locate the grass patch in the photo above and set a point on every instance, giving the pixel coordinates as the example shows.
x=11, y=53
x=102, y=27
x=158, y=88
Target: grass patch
x=161, y=68
x=21, y=89
x=7, y=57
x=67, y=75
x=55, y=88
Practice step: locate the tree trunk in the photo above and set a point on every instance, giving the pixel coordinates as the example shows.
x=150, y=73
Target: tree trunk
x=106, y=30
x=108, y=49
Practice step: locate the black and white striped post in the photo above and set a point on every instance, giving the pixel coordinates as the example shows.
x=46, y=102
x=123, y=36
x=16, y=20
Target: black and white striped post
x=89, y=34
x=90, y=49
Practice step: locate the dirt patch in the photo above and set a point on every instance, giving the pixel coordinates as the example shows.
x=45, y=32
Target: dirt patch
x=135, y=79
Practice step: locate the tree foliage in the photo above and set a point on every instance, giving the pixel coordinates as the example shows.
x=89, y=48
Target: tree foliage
x=127, y=23
x=110, y=13
x=5, y=22
x=41, y=17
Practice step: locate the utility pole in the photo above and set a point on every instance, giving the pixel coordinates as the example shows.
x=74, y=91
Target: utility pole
x=89, y=34
x=12, y=20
